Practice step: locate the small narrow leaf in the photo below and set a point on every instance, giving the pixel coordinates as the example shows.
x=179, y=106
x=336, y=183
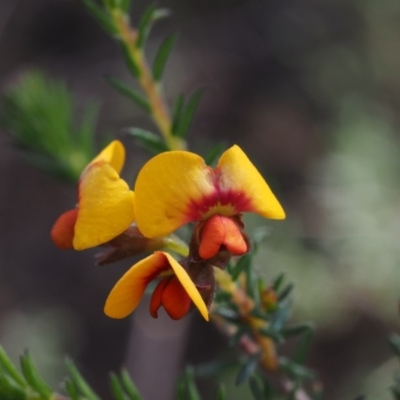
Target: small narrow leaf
x=276, y=284
x=213, y=368
x=229, y=315
x=242, y=265
x=125, y=5
x=285, y=292
x=275, y=336
x=129, y=386
x=251, y=281
x=116, y=387
x=190, y=383
x=295, y=370
x=303, y=347
x=136, y=97
x=130, y=62
x=80, y=382
x=151, y=15
x=9, y=368
x=162, y=56
x=296, y=330
x=71, y=390
x=32, y=376
x=101, y=16
x=248, y=368
x=221, y=393
x=188, y=113
x=255, y=389
x=150, y=141
x=177, y=114
x=279, y=318
x=214, y=154
x=9, y=390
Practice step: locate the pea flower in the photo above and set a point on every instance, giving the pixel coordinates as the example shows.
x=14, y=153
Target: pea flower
x=175, y=291
x=105, y=206
x=177, y=187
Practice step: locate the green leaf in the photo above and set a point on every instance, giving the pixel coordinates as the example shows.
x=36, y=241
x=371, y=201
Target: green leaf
x=279, y=318
x=150, y=141
x=126, y=5
x=8, y=367
x=294, y=370
x=162, y=56
x=151, y=15
x=39, y=114
x=251, y=281
x=213, y=368
x=255, y=389
x=116, y=387
x=303, y=347
x=275, y=336
x=230, y=315
x=221, y=393
x=248, y=368
x=188, y=113
x=32, y=376
x=132, y=94
x=243, y=264
x=190, y=385
x=285, y=292
x=296, y=330
x=100, y=15
x=129, y=386
x=71, y=390
x=214, y=154
x=10, y=390
x=80, y=382
x=130, y=62
x=276, y=284
x=177, y=113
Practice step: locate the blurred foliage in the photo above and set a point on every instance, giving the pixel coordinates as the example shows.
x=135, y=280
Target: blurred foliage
x=40, y=114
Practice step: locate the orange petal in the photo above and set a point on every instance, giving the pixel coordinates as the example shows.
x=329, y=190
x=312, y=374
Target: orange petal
x=113, y=154
x=106, y=207
x=175, y=299
x=128, y=291
x=155, y=302
x=62, y=232
x=167, y=188
x=219, y=231
x=188, y=285
x=243, y=186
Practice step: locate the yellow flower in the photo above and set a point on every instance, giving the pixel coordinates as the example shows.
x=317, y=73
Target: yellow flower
x=174, y=292
x=105, y=206
x=177, y=187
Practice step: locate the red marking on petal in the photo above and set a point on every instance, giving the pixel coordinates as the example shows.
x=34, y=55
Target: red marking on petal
x=230, y=201
x=155, y=302
x=175, y=299
x=62, y=232
x=219, y=231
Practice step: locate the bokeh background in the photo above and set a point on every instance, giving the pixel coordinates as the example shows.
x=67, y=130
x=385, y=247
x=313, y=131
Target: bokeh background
x=310, y=89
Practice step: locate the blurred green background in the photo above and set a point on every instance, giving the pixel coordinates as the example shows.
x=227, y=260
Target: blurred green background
x=310, y=89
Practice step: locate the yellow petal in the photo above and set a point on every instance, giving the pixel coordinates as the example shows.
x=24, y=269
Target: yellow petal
x=170, y=191
x=106, y=207
x=128, y=291
x=113, y=154
x=188, y=285
x=243, y=186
